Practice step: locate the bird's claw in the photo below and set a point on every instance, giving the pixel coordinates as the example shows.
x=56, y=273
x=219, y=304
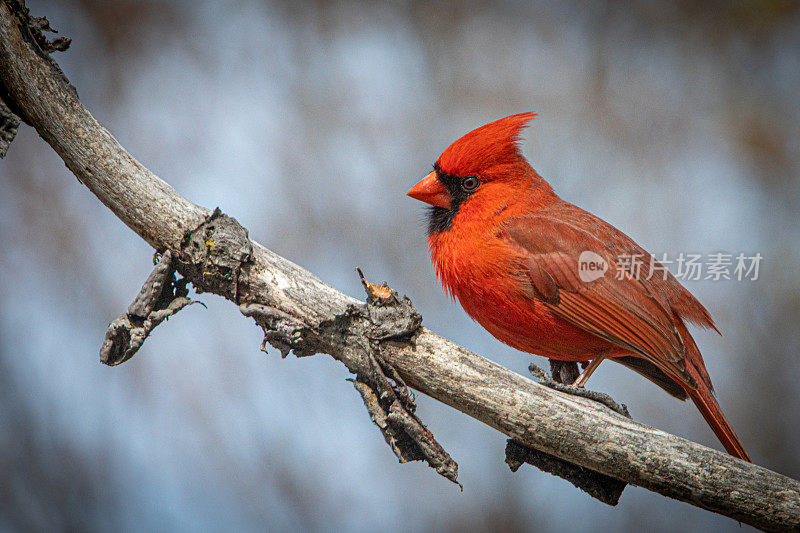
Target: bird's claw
x=582, y=392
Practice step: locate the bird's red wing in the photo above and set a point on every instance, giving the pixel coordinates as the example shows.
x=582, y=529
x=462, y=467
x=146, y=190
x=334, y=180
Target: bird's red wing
x=660, y=281
x=617, y=307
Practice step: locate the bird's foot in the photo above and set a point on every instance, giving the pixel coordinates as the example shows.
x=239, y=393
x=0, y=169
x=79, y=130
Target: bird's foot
x=605, y=488
x=596, y=396
x=565, y=372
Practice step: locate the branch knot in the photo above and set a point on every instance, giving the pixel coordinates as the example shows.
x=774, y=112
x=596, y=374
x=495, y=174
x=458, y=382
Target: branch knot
x=213, y=254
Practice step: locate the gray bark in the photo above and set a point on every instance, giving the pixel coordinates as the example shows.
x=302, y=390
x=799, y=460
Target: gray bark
x=301, y=312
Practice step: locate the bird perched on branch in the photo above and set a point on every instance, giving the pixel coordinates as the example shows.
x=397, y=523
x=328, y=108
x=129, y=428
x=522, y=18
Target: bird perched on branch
x=548, y=278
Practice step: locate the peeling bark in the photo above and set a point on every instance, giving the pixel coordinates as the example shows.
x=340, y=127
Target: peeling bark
x=604, y=488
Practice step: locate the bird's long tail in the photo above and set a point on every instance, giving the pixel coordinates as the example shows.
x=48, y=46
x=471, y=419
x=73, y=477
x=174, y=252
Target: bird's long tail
x=703, y=397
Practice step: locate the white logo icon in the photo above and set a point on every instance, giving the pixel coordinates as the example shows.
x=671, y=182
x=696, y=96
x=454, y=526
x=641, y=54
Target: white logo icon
x=591, y=266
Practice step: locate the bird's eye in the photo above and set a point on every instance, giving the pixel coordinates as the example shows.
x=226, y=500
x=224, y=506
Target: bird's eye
x=470, y=184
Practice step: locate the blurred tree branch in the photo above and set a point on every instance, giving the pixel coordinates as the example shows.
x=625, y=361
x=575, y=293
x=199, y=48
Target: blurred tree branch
x=300, y=312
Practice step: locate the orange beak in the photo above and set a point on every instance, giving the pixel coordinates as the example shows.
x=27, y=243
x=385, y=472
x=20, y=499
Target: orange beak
x=431, y=191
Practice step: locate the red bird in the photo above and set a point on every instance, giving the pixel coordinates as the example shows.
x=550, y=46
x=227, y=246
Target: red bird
x=548, y=278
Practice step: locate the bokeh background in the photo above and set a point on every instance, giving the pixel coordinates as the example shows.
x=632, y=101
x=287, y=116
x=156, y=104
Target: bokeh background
x=677, y=121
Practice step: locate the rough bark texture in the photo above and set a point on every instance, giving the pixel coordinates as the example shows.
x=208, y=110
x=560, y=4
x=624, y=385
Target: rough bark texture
x=301, y=312
x=9, y=123
x=605, y=488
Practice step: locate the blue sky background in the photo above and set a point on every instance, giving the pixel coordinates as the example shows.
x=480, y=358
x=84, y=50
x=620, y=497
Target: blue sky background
x=308, y=122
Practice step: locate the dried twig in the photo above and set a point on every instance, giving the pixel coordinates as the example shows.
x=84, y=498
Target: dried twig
x=355, y=337
x=161, y=296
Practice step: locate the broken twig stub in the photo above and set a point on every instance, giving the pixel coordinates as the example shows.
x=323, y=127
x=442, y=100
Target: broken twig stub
x=161, y=296
x=355, y=337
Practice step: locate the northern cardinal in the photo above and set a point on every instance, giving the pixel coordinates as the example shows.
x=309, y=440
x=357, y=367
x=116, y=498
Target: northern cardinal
x=548, y=278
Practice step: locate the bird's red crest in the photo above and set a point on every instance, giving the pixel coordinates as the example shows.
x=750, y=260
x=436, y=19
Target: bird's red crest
x=483, y=148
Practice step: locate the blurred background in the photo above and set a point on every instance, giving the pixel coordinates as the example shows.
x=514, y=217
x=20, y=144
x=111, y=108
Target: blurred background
x=677, y=121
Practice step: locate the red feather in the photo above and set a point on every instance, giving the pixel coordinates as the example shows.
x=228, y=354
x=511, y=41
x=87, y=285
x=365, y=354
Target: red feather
x=509, y=251
x=490, y=145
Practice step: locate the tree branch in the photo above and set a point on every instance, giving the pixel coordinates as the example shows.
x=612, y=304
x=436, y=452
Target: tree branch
x=308, y=315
